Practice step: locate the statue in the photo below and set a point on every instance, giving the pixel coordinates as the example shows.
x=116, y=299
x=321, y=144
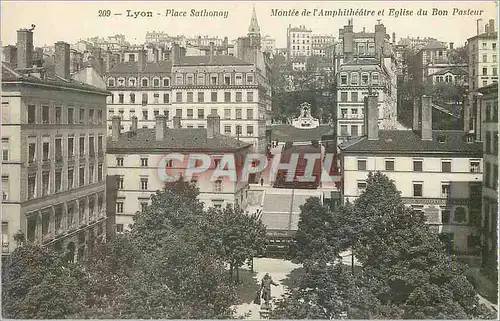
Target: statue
x=265, y=287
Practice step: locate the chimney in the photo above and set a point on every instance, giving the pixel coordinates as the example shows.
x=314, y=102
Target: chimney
x=492, y=25
x=62, y=58
x=176, y=122
x=393, y=38
x=133, y=127
x=161, y=125
x=141, y=60
x=416, y=114
x=451, y=45
x=426, y=115
x=109, y=63
x=24, y=49
x=213, y=125
x=479, y=23
x=212, y=45
x=116, y=127
x=175, y=54
x=10, y=55
x=371, y=116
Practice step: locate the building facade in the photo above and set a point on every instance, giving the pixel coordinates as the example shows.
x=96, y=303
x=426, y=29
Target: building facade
x=53, y=146
x=135, y=157
x=298, y=41
x=319, y=43
x=489, y=218
x=437, y=172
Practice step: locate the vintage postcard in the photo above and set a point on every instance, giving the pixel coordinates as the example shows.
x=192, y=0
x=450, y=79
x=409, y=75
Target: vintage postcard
x=249, y=160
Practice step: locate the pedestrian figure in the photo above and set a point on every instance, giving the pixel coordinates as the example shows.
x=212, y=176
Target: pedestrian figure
x=262, y=182
x=265, y=287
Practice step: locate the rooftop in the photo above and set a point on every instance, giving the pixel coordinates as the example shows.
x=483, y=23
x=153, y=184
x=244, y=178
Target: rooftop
x=407, y=141
x=150, y=67
x=287, y=132
x=181, y=139
x=218, y=60
x=10, y=75
x=434, y=44
x=451, y=70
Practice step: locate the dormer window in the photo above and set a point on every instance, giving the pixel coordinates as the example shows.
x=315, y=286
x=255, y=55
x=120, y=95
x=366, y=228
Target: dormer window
x=156, y=82
x=249, y=78
x=121, y=82
x=166, y=82
x=442, y=139
x=144, y=82
x=111, y=82
x=132, y=82
x=179, y=79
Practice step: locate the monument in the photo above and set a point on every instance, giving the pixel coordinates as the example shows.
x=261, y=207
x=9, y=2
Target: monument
x=305, y=120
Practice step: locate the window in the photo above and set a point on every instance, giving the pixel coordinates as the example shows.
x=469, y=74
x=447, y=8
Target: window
x=417, y=189
x=45, y=115
x=389, y=164
x=111, y=82
x=460, y=215
x=361, y=187
x=475, y=166
x=70, y=116
x=58, y=115
x=178, y=97
x=227, y=113
x=485, y=58
x=156, y=82
x=190, y=113
x=119, y=210
x=417, y=165
x=178, y=112
x=343, y=79
x=166, y=82
x=445, y=190
x=31, y=186
x=99, y=173
x=218, y=186
x=227, y=97
x=354, y=97
x=5, y=149
x=70, y=178
x=82, y=116
x=485, y=71
x=227, y=80
x=362, y=164
x=249, y=78
x=5, y=187
x=495, y=71
x=119, y=161
x=166, y=113
x=354, y=78
x=201, y=97
x=445, y=215
x=59, y=153
x=144, y=183
x=494, y=46
x=446, y=166
x=354, y=130
x=144, y=206
x=238, y=79
x=45, y=151
x=249, y=130
x=58, y=181
x=343, y=112
x=343, y=96
x=144, y=82
x=144, y=162
x=144, y=98
x=213, y=80
x=487, y=143
x=249, y=113
x=343, y=130
x=190, y=97
x=495, y=142
x=375, y=78
x=494, y=58
x=45, y=183
x=238, y=130
x=201, y=113
x=200, y=79
x=227, y=130
x=120, y=98
x=238, y=96
x=250, y=96
x=213, y=96
x=81, y=176
x=238, y=113
x=364, y=79
x=213, y=111
x=166, y=98
x=120, y=182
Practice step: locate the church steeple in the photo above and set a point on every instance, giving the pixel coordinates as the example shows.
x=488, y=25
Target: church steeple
x=254, y=25
x=254, y=30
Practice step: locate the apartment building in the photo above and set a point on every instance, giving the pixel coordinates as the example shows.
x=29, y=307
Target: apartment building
x=437, y=172
x=489, y=218
x=53, y=145
x=298, y=41
x=357, y=79
x=220, y=85
x=268, y=44
x=139, y=88
x=135, y=157
x=319, y=43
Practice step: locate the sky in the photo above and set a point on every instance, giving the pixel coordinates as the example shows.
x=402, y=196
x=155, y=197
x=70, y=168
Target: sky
x=71, y=21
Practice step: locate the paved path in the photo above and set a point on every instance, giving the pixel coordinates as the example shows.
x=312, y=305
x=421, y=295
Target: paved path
x=278, y=270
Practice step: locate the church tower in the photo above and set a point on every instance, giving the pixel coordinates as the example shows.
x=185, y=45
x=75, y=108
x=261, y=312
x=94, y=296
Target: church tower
x=254, y=31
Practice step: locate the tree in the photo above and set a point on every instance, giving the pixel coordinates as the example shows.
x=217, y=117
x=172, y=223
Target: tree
x=458, y=56
x=37, y=284
x=237, y=235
